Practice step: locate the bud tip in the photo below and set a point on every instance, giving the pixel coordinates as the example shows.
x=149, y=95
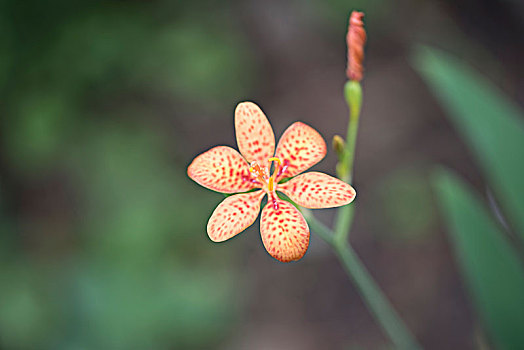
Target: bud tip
x=356, y=38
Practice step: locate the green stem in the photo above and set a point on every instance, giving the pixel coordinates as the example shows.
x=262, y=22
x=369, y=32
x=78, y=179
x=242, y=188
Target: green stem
x=351, y=144
x=353, y=97
x=375, y=300
x=343, y=223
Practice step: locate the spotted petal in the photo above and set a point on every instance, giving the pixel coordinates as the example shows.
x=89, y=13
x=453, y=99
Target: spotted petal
x=299, y=148
x=255, y=137
x=284, y=231
x=233, y=215
x=316, y=190
x=222, y=169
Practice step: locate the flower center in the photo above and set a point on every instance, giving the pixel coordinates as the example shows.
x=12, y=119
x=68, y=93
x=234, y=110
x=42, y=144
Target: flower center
x=262, y=173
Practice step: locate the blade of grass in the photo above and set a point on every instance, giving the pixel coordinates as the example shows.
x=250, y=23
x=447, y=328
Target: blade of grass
x=493, y=271
x=489, y=122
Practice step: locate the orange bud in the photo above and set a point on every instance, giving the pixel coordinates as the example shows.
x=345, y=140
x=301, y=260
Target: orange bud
x=356, y=38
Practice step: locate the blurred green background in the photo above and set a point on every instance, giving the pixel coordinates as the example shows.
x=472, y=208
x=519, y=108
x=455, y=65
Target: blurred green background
x=105, y=103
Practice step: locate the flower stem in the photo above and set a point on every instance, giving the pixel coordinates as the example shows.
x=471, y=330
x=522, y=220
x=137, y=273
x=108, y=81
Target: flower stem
x=353, y=97
x=343, y=223
x=351, y=143
x=375, y=300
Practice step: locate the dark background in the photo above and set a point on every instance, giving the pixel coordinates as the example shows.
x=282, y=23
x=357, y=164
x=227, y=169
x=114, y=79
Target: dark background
x=104, y=104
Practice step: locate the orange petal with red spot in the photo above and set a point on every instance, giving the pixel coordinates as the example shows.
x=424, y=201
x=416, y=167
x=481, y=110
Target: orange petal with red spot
x=255, y=137
x=316, y=190
x=233, y=215
x=299, y=148
x=284, y=230
x=222, y=169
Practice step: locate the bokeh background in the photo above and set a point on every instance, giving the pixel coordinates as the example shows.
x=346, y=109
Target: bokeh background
x=104, y=104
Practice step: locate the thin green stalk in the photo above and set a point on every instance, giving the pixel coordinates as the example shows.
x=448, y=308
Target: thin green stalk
x=351, y=144
x=376, y=301
x=353, y=97
x=319, y=228
x=343, y=223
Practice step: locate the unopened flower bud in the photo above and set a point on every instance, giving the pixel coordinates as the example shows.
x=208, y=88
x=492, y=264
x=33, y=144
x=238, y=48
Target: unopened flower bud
x=356, y=38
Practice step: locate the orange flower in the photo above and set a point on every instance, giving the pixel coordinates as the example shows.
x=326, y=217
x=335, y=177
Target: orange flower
x=356, y=38
x=285, y=233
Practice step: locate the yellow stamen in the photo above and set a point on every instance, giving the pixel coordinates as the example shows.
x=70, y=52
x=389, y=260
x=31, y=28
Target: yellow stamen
x=258, y=172
x=261, y=173
x=270, y=184
x=273, y=159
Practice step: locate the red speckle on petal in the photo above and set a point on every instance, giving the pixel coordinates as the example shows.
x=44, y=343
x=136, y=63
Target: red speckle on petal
x=302, y=147
x=222, y=169
x=252, y=130
x=293, y=241
x=233, y=215
x=318, y=190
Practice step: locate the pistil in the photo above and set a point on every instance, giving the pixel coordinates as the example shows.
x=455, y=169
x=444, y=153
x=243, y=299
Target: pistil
x=271, y=182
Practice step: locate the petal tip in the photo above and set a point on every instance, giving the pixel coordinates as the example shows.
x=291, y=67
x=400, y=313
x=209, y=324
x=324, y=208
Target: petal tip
x=245, y=108
x=245, y=104
x=353, y=194
x=213, y=236
x=190, y=169
x=291, y=259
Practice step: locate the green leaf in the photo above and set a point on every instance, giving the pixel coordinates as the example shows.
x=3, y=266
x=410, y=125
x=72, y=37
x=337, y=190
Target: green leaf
x=493, y=271
x=490, y=123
